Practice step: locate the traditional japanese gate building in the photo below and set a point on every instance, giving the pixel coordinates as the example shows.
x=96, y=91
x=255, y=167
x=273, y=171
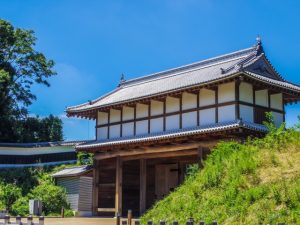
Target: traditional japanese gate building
x=149, y=129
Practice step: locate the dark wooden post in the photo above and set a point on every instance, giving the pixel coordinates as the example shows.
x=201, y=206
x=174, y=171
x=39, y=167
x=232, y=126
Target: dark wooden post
x=214, y=223
x=137, y=222
x=175, y=223
x=190, y=221
x=143, y=168
x=29, y=220
x=62, y=212
x=41, y=220
x=129, y=217
x=162, y=222
x=200, y=157
x=18, y=219
x=201, y=223
x=6, y=219
x=118, y=219
x=118, y=194
x=150, y=222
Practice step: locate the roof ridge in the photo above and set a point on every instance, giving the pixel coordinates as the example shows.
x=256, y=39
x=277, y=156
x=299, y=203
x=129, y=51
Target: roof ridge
x=204, y=62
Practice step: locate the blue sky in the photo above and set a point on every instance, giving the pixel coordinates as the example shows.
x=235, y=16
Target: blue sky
x=93, y=42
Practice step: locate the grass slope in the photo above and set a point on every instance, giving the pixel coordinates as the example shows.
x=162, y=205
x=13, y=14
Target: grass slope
x=253, y=183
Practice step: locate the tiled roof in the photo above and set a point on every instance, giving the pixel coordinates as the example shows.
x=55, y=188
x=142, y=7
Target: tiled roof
x=73, y=171
x=41, y=144
x=195, y=74
x=175, y=133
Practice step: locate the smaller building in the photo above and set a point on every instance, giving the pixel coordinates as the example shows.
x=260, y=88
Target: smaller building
x=78, y=182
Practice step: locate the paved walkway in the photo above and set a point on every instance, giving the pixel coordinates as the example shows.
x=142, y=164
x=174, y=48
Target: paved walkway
x=79, y=221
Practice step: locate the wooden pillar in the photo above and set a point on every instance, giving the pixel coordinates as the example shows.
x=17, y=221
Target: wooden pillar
x=143, y=178
x=95, y=187
x=237, y=99
x=118, y=195
x=200, y=157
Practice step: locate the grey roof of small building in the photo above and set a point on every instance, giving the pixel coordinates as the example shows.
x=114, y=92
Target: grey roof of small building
x=203, y=72
x=41, y=144
x=175, y=133
x=73, y=171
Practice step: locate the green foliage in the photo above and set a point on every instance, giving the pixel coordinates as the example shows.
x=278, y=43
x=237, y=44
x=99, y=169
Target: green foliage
x=253, y=183
x=21, y=66
x=53, y=197
x=84, y=158
x=9, y=193
x=20, y=207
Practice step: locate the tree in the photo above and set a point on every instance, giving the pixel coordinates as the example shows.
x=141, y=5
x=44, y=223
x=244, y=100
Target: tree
x=20, y=67
x=9, y=193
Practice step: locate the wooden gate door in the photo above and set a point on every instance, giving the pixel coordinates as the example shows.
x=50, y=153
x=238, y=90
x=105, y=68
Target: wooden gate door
x=166, y=179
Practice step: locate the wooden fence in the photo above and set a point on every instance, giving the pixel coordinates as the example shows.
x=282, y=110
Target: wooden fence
x=18, y=221
x=130, y=221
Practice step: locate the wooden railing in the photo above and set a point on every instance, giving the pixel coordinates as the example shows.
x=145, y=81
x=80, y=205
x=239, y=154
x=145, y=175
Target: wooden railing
x=18, y=221
x=130, y=221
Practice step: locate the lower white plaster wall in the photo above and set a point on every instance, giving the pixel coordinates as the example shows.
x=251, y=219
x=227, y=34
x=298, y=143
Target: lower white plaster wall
x=127, y=129
x=172, y=122
x=246, y=113
x=102, y=133
x=278, y=118
x=142, y=127
x=189, y=119
x=114, y=131
x=226, y=113
x=207, y=116
x=156, y=125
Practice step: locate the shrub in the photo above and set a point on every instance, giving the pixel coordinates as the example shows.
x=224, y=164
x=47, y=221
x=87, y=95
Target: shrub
x=53, y=197
x=21, y=207
x=9, y=193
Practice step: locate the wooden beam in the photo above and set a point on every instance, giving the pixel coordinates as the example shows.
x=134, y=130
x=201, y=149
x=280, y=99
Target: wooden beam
x=190, y=152
x=118, y=195
x=143, y=178
x=200, y=157
x=146, y=150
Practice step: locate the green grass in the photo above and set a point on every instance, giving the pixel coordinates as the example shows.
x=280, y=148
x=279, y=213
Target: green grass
x=253, y=183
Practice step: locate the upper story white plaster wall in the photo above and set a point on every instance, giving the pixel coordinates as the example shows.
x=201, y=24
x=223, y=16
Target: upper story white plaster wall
x=102, y=118
x=226, y=113
x=156, y=125
x=276, y=101
x=157, y=108
x=142, y=127
x=127, y=129
x=278, y=118
x=207, y=97
x=114, y=131
x=207, y=116
x=226, y=92
x=172, y=122
x=189, y=101
x=246, y=92
x=261, y=98
x=102, y=133
x=172, y=104
x=128, y=113
x=141, y=110
x=246, y=113
x=115, y=115
x=189, y=119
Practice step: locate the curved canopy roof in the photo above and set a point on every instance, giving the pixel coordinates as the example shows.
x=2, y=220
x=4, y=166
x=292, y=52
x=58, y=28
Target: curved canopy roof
x=250, y=62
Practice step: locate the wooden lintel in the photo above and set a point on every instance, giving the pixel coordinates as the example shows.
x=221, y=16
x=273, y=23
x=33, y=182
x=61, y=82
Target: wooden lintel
x=146, y=150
